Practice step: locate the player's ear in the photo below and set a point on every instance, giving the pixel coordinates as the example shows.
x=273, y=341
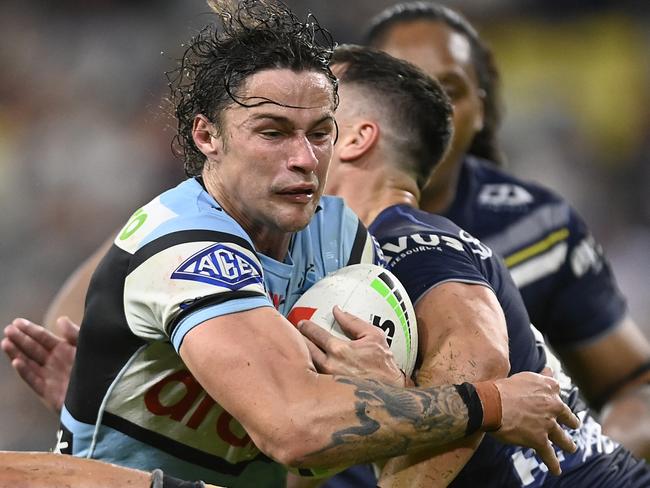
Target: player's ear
x=358, y=141
x=206, y=136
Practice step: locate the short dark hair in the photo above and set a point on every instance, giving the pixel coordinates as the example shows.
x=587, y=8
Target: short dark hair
x=417, y=103
x=485, y=143
x=254, y=35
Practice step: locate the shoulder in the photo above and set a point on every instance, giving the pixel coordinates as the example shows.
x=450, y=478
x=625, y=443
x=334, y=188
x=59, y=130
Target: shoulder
x=402, y=220
x=498, y=190
x=185, y=212
x=509, y=212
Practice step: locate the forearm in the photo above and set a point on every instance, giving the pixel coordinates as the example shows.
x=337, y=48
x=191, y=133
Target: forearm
x=626, y=419
x=46, y=470
x=373, y=421
x=438, y=467
x=461, y=343
x=431, y=468
x=49, y=470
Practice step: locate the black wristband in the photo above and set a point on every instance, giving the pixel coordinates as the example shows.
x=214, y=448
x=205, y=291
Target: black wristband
x=472, y=401
x=161, y=480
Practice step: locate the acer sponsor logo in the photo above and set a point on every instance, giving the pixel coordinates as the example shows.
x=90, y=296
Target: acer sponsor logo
x=220, y=265
x=192, y=407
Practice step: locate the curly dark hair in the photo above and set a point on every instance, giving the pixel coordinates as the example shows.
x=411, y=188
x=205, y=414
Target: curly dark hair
x=485, y=143
x=254, y=35
x=417, y=104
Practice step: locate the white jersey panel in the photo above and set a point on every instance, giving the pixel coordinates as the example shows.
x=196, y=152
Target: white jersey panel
x=178, y=276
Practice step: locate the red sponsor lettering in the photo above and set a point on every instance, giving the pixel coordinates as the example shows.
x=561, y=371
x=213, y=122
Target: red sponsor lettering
x=180, y=408
x=225, y=431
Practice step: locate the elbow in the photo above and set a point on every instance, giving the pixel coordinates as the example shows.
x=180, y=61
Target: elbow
x=495, y=364
x=290, y=441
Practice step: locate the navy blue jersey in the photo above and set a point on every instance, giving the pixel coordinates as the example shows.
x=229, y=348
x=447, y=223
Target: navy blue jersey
x=566, y=282
x=180, y=261
x=424, y=250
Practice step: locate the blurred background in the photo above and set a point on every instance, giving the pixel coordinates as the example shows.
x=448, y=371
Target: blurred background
x=85, y=138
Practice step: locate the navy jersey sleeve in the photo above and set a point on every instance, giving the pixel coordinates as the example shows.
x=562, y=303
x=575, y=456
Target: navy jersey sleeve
x=586, y=301
x=424, y=259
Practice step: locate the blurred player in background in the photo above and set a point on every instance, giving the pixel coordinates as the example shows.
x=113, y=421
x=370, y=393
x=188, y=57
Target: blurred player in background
x=567, y=284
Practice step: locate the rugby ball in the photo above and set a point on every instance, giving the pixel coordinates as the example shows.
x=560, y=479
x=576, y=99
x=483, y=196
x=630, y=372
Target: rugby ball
x=373, y=294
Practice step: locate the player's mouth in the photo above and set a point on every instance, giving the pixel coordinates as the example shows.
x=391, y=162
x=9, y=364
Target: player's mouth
x=298, y=193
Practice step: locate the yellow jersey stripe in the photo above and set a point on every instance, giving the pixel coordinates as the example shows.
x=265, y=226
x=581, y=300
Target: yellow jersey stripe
x=537, y=248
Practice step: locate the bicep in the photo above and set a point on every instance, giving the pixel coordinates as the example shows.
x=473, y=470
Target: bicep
x=251, y=362
x=462, y=334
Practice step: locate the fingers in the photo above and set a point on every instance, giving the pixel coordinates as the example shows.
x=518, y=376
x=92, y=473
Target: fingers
x=558, y=436
x=68, y=330
x=568, y=418
x=41, y=335
x=547, y=454
x=22, y=334
x=318, y=357
x=10, y=349
x=316, y=334
x=351, y=325
x=547, y=372
x=30, y=372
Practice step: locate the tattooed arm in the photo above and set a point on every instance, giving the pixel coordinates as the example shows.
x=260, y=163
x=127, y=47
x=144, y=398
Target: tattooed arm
x=268, y=382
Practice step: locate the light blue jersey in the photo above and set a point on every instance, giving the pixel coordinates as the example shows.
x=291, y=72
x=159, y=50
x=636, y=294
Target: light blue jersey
x=179, y=261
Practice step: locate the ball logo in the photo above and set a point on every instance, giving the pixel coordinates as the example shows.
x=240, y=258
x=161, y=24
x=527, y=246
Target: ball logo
x=222, y=266
x=388, y=326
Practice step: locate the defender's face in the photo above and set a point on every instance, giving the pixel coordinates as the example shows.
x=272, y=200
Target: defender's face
x=445, y=55
x=275, y=153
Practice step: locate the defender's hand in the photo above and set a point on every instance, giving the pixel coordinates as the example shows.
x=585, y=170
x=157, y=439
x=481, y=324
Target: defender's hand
x=42, y=359
x=365, y=355
x=532, y=414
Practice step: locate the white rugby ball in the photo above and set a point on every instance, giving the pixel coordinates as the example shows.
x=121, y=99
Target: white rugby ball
x=373, y=294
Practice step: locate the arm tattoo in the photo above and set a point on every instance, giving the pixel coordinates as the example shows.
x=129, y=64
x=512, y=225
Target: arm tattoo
x=398, y=419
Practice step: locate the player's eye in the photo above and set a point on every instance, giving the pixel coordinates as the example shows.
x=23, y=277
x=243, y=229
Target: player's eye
x=322, y=135
x=271, y=134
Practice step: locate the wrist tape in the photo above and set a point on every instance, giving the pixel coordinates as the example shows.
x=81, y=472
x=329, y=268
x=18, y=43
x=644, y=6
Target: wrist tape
x=483, y=403
x=491, y=402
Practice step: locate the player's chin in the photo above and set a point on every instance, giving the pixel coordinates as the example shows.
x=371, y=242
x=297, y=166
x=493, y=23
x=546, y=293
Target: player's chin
x=297, y=217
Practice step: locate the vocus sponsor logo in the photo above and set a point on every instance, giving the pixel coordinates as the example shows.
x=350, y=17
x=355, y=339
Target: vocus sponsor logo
x=414, y=243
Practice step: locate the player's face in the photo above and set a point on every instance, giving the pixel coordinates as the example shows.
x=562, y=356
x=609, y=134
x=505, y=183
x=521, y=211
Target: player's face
x=272, y=167
x=445, y=55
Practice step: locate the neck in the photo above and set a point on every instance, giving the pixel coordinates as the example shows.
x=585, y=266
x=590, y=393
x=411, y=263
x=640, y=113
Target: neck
x=381, y=189
x=440, y=190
